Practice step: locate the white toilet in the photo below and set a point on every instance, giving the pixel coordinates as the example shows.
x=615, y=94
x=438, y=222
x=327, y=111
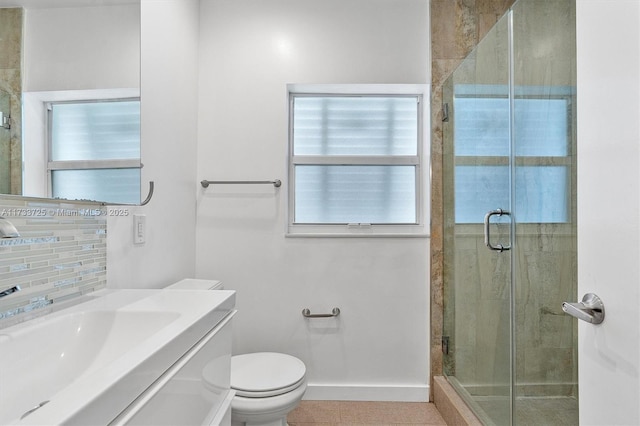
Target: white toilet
x=268, y=385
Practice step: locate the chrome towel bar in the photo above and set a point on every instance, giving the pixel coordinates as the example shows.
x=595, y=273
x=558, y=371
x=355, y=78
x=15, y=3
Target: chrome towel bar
x=307, y=314
x=205, y=183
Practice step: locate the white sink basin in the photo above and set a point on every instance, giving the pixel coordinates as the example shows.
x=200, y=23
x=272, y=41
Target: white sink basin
x=90, y=361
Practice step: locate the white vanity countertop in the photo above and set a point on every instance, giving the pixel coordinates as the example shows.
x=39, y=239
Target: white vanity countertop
x=92, y=359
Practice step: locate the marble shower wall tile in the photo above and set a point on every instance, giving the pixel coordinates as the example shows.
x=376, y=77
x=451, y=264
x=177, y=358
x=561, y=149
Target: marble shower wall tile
x=456, y=28
x=544, y=272
x=453, y=28
x=11, y=83
x=10, y=38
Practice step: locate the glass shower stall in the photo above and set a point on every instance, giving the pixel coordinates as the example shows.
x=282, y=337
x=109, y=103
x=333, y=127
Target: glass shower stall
x=5, y=142
x=510, y=219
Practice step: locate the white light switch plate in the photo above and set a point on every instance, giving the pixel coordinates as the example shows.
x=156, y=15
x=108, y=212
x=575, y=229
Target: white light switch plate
x=139, y=228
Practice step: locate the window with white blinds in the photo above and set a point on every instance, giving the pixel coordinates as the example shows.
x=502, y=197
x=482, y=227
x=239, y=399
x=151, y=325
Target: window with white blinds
x=542, y=152
x=94, y=150
x=355, y=163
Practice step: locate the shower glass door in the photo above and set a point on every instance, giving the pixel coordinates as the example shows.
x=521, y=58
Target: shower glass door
x=477, y=176
x=5, y=144
x=509, y=150
x=545, y=255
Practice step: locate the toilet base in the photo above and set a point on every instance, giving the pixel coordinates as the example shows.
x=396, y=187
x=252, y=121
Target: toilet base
x=271, y=411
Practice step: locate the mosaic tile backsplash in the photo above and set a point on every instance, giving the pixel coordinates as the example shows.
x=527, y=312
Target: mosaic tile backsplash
x=61, y=252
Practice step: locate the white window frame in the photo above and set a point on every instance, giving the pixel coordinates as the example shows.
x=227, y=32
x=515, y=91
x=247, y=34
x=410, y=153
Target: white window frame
x=35, y=136
x=421, y=227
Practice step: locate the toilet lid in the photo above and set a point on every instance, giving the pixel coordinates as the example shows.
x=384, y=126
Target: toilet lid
x=264, y=374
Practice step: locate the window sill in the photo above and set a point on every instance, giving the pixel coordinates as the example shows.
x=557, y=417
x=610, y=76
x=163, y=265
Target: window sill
x=356, y=231
x=338, y=235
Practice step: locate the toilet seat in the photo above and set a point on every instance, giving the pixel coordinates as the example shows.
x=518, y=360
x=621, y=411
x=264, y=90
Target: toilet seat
x=266, y=374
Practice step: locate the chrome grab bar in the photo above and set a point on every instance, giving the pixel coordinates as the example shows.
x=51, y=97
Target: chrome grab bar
x=487, y=238
x=142, y=203
x=149, y=195
x=307, y=314
x=276, y=183
x=591, y=309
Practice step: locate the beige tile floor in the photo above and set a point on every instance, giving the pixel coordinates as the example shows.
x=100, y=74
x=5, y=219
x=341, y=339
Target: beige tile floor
x=343, y=413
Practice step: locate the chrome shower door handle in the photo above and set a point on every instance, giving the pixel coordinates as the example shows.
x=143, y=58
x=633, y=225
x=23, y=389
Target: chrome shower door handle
x=487, y=235
x=591, y=309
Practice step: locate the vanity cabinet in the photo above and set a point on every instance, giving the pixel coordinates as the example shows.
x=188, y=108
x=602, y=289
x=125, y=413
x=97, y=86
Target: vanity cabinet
x=193, y=391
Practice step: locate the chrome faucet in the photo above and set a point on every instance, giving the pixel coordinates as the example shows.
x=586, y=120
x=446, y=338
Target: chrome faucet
x=7, y=230
x=10, y=290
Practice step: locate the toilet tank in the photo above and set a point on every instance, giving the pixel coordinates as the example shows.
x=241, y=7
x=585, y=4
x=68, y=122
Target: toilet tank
x=196, y=284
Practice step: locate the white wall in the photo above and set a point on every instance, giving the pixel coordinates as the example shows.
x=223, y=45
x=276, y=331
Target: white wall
x=169, y=116
x=608, y=71
x=73, y=53
x=249, y=51
x=82, y=48
x=106, y=57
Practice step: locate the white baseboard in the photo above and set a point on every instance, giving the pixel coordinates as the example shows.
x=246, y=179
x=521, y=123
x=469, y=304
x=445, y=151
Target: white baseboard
x=397, y=393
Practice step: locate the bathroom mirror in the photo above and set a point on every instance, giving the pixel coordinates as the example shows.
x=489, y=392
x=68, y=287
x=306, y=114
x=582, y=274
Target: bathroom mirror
x=70, y=104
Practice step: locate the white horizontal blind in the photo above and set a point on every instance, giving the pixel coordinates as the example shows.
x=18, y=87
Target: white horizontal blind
x=482, y=126
x=363, y=125
x=95, y=150
x=95, y=130
x=113, y=185
x=355, y=159
x=355, y=194
x=542, y=192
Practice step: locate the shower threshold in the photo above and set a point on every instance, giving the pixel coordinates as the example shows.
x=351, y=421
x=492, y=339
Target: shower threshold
x=557, y=410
